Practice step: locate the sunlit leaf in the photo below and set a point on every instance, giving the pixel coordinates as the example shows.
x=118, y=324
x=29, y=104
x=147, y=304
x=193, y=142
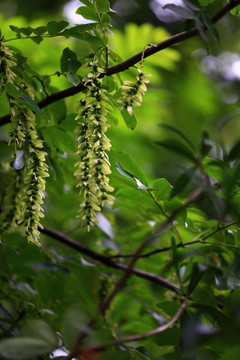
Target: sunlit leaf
x=102, y=6
x=129, y=119
x=74, y=79
x=161, y=189
x=87, y=13
x=132, y=168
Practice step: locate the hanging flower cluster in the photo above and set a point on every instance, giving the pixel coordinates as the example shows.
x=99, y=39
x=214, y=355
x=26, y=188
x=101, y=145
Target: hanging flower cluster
x=93, y=166
x=6, y=73
x=8, y=217
x=35, y=172
x=24, y=197
x=133, y=92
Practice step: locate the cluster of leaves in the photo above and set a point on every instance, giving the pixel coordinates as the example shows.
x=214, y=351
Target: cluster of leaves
x=183, y=229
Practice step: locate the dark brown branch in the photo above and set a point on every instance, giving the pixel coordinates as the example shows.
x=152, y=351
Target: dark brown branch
x=106, y=261
x=138, y=336
x=173, y=40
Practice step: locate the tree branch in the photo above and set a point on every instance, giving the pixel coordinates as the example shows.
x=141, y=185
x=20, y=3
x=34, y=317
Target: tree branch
x=175, y=39
x=183, y=245
x=106, y=261
x=138, y=336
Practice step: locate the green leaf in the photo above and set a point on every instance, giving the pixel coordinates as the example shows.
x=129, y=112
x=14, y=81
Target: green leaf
x=178, y=132
x=72, y=78
x=55, y=27
x=40, y=30
x=206, y=144
x=40, y=329
x=161, y=189
x=123, y=172
x=177, y=147
x=136, y=198
x=87, y=13
x=131, y=166
x=185, y=13
x=208, y=22
x=24, y=347
x=80, y=35
x=236, y=11
x=201, y=28
x=69, y=62
x=5, y=151
x=88, y=4
x=105, y=20
x=197, y=273
x=175, y=205
x=73, y=324
x=182, y=182
x=59, y=139
x=112, y=119
x=192, y=4
x=68, y=123
x=30, y=103
x=130, y=120
x=102, y=6
x=169, y=307
x=13, y=91
x=234, y=153
x=26, y=30
x=16, y=30
x=37, y=40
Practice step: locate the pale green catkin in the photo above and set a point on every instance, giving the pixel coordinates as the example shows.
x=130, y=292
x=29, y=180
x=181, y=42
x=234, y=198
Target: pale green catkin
x=24, y=196
x=93, y=166
x=132, y=92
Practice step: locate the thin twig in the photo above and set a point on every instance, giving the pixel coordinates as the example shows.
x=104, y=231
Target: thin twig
x=61, y=237
x=138, y=336
x=168, y=248
x=173, y=40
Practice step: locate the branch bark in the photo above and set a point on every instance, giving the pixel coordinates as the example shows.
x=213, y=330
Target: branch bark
x=173, y=40
x=106, y=261
x=138, y=337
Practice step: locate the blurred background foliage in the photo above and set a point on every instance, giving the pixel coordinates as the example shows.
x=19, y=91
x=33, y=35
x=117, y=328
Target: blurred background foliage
x=194, y=88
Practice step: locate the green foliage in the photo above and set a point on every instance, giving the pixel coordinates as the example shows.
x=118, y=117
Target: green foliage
x=97, y=197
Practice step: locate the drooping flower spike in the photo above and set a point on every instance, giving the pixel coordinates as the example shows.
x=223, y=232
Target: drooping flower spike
x=93, y=166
